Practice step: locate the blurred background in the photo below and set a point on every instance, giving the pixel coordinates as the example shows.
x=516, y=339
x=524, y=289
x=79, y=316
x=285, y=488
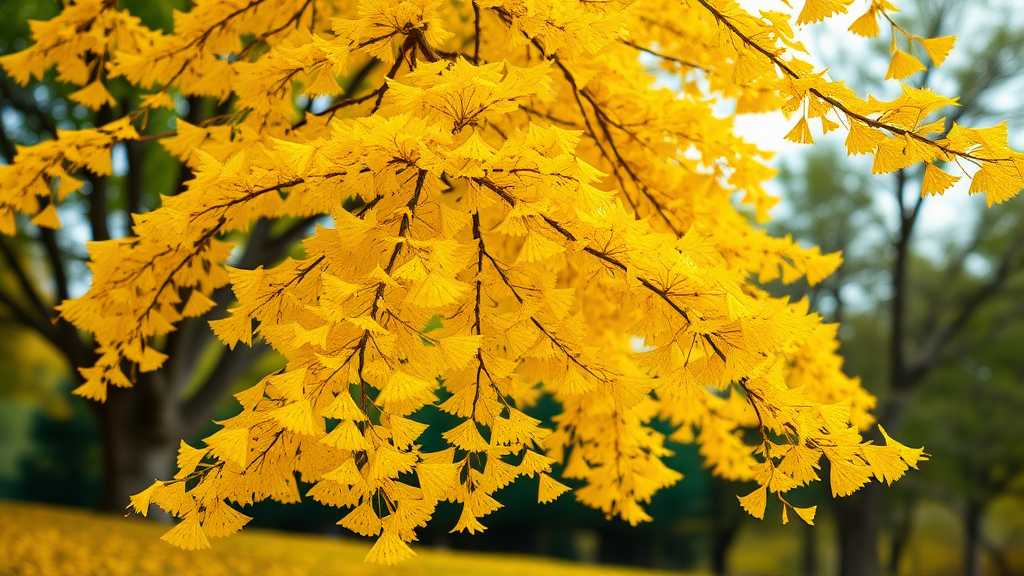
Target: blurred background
x=930, y=300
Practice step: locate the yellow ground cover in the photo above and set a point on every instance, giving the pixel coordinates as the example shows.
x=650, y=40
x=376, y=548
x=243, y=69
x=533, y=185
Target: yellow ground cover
x=50, y=541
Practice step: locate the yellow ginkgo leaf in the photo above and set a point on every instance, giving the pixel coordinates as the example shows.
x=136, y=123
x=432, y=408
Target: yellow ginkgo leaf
x=938, y=48
x=47, y=218
x=755, y=502
x=863, y=139
x=230, y=444
x=801, y=133
x=188, y=534
x=549, y=489
x=866, y=25
x=223, y=520
x=818, y=10
x=903, y=65
x=93, y=96
x=909, y=455
x=806, y=514
x=936, y=181
x=362, y=520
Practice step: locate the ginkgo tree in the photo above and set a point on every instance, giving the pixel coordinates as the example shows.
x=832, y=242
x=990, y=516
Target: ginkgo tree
x=506, y=173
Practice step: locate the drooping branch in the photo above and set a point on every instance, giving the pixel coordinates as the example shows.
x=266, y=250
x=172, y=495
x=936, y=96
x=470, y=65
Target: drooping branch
x=776, y=60
x=608, y=260
x=618, y=163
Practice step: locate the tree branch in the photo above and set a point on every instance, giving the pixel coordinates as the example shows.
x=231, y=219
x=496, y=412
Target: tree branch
x=98, y=209
x=133, y=181
x=233, y=364
x=7, y=147
x=930, y=351
x=27, y=287
x=23, y=318
x=28, y=108
x=476, y=33
x=53, y=253
x=899, y=288
x=293, y=233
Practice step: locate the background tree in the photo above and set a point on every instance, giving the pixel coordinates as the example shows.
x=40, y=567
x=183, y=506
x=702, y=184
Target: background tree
x=975, y=463
x=140, y=427
x=931, y=302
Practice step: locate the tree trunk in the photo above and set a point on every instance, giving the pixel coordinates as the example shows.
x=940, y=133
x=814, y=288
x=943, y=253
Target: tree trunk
x=723, y=534
x=858, y=515
x=809, y=553
x=901, y=533
x=725, y=525
x=140, y=429
x=857, y=519
x=972, y=539
x=721, y=542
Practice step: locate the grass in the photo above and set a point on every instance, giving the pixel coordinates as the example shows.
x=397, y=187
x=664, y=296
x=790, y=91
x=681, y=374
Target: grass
x=46, y=540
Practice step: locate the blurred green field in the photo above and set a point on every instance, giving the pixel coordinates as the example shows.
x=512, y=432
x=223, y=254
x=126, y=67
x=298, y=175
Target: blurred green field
x=50, y=541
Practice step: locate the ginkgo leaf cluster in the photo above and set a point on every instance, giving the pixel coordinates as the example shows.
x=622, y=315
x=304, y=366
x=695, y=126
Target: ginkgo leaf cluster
x=506, y=170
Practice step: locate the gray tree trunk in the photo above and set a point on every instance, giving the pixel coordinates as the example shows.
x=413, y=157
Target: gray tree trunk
x=141, y=431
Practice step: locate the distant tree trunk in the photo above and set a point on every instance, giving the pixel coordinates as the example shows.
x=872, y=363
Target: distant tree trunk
x=973, y=515
x=725, y=526
x=809, y=554
x=857, y=523
x=721, y=541
x=901, y=533
x=140, y=429
x=859, y=514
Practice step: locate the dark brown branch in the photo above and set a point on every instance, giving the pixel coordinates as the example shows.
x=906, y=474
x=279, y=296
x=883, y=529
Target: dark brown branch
x=232, y=365
x=476, y=33
x=895, y=130
x=133, y=180
x=32, y=322
x=357, y=80
x=603, y=119
x=98, y=209
x=57, y=266
x=295, y=232
x=28, y=108
x=296, y=17
x=44, y=310
x=930, y=352
x=607, y=259
x=663, y=56
x=7, y=147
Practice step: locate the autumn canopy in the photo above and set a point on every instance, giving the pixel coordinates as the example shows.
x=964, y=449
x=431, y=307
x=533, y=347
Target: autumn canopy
x=508, y=208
